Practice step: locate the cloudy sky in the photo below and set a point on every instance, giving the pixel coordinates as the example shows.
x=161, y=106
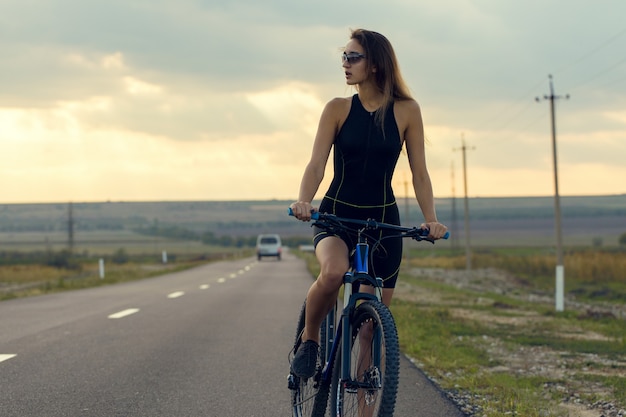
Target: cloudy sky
x=219, y=100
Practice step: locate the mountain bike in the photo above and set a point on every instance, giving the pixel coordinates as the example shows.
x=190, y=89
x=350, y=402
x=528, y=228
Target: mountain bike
x=359, y=353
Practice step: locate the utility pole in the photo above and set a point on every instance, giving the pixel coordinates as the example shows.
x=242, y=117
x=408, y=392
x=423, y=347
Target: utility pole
x=560, y=270
x=468, y=251
x=406, y=200
x=453, y=214
x=70, y=228
x=406, y=210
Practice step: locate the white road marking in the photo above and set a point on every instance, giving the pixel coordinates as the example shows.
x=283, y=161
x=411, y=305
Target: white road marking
x=247, y=268
x=176, y=294
x=233, y=276
x=6, y=357
x=204, y=286
x=124, y=313
x=221, y=280
x=241, y=271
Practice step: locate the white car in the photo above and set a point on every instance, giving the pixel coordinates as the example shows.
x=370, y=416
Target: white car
x=268, y=245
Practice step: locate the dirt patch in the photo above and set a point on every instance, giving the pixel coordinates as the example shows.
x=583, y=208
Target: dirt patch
x=494, y=281
x=553, y=365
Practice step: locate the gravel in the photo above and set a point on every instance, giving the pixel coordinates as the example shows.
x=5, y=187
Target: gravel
x=532, y=360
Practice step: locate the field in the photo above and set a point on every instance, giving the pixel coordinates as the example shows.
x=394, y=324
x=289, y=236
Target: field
x=489, y=337
x=523, y=221
x=492, y=340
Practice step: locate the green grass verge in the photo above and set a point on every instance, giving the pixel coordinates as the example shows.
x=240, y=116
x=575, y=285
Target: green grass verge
x=446, y=350
x=455, y=349
x=17, y=281
x=450, y=349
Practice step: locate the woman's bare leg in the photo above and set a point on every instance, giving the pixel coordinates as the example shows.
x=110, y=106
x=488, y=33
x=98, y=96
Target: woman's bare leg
x=332, y=254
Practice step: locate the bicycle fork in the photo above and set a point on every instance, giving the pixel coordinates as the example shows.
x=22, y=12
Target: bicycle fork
x=365, y=377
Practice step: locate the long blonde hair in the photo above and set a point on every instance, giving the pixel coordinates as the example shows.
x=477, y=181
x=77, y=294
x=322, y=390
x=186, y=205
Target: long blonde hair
x=380, y=54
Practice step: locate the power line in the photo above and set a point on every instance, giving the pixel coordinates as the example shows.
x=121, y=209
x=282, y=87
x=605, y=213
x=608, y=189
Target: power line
x=604, y=71
x=523, y=100
x=515, y=116
x=592, y=52
x=525, y=103
x=612, y=82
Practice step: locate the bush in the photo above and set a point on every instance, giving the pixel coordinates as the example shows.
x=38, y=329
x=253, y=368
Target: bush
x=120, y=256
x=62, y=259
x=622, y=239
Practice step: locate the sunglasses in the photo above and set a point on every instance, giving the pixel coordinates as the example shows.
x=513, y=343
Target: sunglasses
x=352, y=57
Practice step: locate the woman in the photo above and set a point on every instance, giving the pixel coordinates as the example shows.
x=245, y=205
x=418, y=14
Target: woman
x=367, y=131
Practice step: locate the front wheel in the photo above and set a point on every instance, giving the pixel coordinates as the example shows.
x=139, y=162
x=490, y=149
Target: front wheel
x=309, y=396
x=374, y=364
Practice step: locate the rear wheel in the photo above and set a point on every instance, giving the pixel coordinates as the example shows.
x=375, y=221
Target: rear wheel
x=374, y=365
x=309, y=396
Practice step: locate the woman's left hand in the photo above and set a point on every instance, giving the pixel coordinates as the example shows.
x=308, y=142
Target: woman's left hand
x=437, y=230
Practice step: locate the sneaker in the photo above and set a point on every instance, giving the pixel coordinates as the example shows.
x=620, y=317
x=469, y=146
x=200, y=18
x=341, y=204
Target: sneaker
x=305, y=360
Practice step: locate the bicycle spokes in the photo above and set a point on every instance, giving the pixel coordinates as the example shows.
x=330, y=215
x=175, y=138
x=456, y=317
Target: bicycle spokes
x=370, y=387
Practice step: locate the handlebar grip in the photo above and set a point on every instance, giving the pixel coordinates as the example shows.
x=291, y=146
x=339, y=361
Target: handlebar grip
x=425, y=232
x=314, y=215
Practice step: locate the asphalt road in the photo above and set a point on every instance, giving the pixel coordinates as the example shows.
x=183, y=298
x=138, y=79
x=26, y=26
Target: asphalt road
x=212, y=341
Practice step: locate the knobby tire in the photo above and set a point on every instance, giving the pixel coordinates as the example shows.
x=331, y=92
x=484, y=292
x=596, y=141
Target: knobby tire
x=370, y=315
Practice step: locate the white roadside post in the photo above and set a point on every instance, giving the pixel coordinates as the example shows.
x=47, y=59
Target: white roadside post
x=560, y=288
x=101, y=268
x=164, y=257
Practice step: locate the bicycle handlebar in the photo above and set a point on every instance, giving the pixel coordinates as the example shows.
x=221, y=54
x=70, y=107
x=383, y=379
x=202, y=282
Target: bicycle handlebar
x=412, y=232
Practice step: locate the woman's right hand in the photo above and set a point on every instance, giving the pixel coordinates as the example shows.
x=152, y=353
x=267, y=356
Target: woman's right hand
x=302, y=210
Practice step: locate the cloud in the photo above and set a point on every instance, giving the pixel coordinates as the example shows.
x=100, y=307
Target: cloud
x=290, y=106
x=124, y=96
x=137, y=87
x=619, y=116
x=127, y=165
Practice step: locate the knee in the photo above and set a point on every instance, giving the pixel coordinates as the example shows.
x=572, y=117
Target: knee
x=331, y=276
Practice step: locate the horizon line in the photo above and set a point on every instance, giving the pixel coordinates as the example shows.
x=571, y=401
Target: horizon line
x=398, y=197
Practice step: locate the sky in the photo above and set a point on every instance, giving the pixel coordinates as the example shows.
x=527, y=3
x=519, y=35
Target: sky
x=157, y=100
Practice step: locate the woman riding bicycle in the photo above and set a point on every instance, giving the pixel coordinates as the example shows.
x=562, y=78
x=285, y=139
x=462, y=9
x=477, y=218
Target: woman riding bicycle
x=367, y=131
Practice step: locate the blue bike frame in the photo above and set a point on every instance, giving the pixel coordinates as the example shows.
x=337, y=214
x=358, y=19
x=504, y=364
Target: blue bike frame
x=359, y=274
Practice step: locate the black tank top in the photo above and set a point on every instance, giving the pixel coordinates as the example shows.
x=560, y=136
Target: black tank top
x=364, y=161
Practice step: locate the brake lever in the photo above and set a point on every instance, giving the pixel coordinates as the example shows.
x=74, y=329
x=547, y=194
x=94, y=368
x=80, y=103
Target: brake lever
x=420, y=238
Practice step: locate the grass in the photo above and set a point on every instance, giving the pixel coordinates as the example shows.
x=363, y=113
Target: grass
x=465, y=337
x=456, y=350
x=469, y=337
x=30, y=281
x=455, y=353
x=430, y=331
x=27, y=280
